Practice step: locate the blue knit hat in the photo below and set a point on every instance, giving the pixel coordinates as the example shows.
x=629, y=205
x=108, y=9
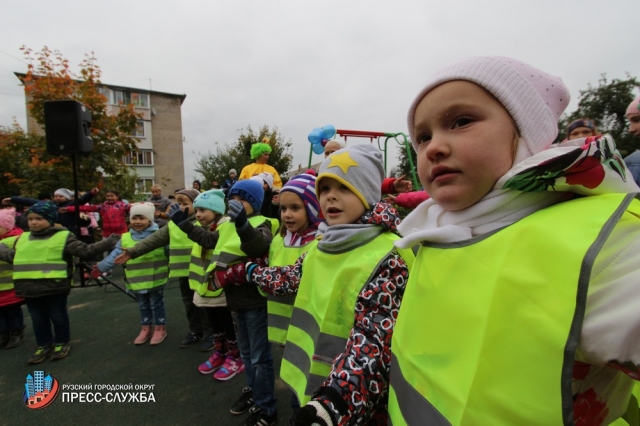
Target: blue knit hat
x=46, y=209
x=304, y=186
x=250, y=191
x=212, y=199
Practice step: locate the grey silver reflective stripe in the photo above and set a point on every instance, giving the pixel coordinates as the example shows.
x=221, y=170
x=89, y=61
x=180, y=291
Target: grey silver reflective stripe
x=180, y=251
x=5, y=267
x=6, y=280
x=40, y=267
x=285, y=300
x=195, y=276
x=148, y=278
x=581, y=303
x=299, y=358
x=414, y=408
x=229, y=258
x=276, y=321
x=327, y=347
x=179, y=266
x=306, y=322
x=314, y=381
x=141, y=265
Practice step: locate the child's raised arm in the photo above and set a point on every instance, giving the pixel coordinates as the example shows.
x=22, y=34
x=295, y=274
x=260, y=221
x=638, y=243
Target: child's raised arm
x=156, y=240
x=254, y=242
x=108, y=263
x=75, y=247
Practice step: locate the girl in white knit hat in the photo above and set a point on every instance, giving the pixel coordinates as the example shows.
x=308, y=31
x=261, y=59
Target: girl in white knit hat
x=146, y=275
x=522, y=306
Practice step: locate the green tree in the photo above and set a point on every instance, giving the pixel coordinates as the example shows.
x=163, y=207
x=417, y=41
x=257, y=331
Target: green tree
x=49, y=77
x=215, y=166
x=606, y=104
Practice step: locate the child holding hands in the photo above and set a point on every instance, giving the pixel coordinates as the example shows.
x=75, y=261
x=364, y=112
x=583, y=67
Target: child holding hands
x=248, y=234
x=146, y=276
x=42, y=274
x=353, y=265
x=494, y=328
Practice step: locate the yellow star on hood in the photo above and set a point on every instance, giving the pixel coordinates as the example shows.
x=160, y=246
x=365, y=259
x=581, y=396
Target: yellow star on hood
x=344, y=161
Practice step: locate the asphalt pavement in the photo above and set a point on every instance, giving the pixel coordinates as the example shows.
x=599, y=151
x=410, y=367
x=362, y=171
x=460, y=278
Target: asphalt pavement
x=103, y=359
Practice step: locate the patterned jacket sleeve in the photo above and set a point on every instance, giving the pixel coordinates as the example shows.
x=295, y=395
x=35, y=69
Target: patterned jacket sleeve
x=357, y=391
x=279, y=280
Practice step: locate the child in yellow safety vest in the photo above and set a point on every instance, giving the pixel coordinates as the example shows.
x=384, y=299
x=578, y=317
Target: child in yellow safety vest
x=522, y=304
x=146, y=275
x=11, y=317
x=248, y=234
x=225, y=362
x=353, y=265
x=179, y=256
x=43, y=273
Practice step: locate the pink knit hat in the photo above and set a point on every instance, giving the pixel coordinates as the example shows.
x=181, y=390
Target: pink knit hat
x=634, y=107
x=7, y=218
x=533, y=98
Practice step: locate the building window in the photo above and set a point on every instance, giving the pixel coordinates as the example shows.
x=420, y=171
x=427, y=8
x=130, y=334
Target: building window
x=144, y=186
x=139, y=130
x=139, y=100
x=139, y=158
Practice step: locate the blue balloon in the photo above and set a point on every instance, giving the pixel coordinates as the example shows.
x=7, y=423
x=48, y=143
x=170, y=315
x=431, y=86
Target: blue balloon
x=328, y=132
x=317, y=148
x=315, y=136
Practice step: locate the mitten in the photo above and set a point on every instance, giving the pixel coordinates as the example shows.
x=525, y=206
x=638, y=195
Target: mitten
x=95, y=272
x=174, y=208
x=237, y=213
x=314, y=413
x=180, y=216
x=235, y=274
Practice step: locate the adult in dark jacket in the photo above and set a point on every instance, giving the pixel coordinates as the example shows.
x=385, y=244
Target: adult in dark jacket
x=161, y=203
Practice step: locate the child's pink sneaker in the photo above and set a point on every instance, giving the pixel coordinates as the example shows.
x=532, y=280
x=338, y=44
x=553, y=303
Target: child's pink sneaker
x=214, y=363
x=145, y=334
x=229, y=369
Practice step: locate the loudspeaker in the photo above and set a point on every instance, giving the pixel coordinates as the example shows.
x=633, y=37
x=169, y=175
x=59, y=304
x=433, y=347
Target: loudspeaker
x=66, y=125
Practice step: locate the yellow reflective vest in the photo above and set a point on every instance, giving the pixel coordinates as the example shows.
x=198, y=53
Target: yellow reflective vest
x=179, y=251
x=6, y=269
x=227, y=251
x=488, y=327
x=323, y=312
x=197, y=266
x=147, y=271
x=41, y=259
x=280, y=308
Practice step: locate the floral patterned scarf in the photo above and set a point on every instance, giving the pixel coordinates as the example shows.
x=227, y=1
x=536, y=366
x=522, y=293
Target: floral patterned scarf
x=579, y=167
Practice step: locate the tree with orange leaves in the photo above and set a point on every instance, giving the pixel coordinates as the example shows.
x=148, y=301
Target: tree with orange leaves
x=28, y=169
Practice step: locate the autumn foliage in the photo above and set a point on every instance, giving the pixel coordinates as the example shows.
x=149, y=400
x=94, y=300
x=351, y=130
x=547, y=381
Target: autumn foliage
x=28, y=169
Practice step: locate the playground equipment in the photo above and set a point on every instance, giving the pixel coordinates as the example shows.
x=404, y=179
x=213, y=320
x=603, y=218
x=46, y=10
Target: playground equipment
x=320, y=135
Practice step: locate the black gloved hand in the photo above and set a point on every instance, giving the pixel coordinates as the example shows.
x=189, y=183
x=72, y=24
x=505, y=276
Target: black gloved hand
x=180, y=216
x=314, y=413
x=237, y=213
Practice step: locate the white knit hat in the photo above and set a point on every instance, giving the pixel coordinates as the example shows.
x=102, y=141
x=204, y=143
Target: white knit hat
x=147, y=210
x=533, y=98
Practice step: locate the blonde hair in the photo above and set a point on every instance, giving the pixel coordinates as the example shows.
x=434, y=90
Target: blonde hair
x=156, y=187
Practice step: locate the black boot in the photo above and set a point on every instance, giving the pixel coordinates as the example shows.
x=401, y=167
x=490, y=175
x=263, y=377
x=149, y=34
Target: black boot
x=4, y=339
x=16, y=337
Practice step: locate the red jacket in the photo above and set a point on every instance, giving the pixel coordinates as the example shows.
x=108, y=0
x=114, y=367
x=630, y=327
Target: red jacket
x=113, y=216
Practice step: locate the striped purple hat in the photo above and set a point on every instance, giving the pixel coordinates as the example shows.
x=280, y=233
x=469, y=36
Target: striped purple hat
x=304, y=186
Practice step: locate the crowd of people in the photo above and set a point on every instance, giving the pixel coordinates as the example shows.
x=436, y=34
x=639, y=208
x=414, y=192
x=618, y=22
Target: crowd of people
x=508, y=294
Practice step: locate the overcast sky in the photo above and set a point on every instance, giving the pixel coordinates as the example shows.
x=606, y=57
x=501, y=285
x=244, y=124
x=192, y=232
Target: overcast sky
x=299, y=65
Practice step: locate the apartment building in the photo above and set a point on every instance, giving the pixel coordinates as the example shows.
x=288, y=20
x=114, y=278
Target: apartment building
x=159, y=157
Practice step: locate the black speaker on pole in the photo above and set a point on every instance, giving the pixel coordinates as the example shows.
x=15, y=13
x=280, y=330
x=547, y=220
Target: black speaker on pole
x=66, y=125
